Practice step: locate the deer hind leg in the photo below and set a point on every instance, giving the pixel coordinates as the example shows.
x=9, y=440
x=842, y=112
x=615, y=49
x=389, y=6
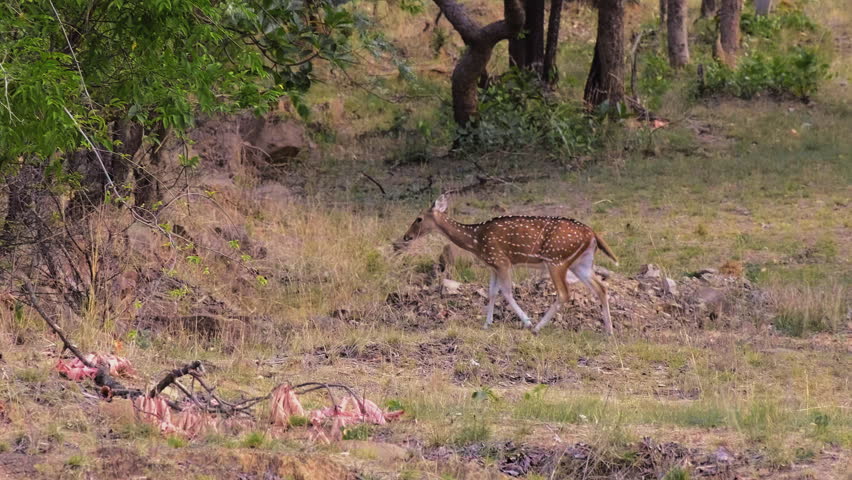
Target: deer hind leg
x=558, y=274
x=492, y=297
x=504, y=282
x=584, y=270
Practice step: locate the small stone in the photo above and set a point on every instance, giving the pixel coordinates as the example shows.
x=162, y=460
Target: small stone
x=723, y=455
x=450, y=287
x=668, y=286
x=650, y=271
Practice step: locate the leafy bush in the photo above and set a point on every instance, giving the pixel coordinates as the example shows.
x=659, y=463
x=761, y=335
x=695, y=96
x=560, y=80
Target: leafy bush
x=654, y=80
x=798, y=73
x=516, y=113
x=767, y=26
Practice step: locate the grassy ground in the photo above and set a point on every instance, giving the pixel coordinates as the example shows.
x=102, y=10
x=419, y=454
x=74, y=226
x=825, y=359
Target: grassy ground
x=763, y=184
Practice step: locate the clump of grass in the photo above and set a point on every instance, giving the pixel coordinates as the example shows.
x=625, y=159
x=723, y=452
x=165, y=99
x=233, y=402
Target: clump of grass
x=176, y=441
x=805, y=309
x=254, y=440
x=473, y=430
x=76, y=461
x=677, y=473
x=358, y=432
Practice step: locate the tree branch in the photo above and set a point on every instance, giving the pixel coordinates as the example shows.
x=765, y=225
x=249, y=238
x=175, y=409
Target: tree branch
x=461, y=21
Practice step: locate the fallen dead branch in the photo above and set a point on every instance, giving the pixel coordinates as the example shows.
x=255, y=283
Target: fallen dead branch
x=204, y=411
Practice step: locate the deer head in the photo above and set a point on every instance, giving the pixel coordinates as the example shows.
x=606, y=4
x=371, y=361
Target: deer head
x=424, y=224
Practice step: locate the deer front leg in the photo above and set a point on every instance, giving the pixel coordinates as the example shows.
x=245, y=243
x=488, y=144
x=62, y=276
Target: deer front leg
x=504, y=279
x=492, y=297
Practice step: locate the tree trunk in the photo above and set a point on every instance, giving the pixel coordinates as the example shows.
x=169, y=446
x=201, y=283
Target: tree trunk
x=480, y=43
x=677, y=34
x=528, y=52
x=729, y=31
x=549, y=72
x=25, y=190
x=535, y=35
x=709, y=8
x=95, y=181
x=762, y=7
x=465, y=77
x=663, y=11
x=606, y=77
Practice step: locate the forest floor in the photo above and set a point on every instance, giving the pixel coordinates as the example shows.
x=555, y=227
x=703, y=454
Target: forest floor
x=743, y=372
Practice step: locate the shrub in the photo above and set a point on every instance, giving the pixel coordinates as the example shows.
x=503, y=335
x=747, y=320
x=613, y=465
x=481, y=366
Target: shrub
x=798, y=74
x=516, y=113
x=655, y=78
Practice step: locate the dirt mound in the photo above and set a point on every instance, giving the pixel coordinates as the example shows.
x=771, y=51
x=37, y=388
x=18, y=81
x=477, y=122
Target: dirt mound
x=645, y=301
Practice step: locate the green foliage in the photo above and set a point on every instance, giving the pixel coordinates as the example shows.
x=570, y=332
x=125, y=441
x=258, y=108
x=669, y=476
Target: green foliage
x=394, y=405
x=298, y=421
x=485, y=393
x=76, y=461
x=798, y=73
x=515, y=114
x=79, y=67
x=654, y=79
x=767, y=26
x=176, y=441
x=254, y=440
x=358, y=432
x=677, y=473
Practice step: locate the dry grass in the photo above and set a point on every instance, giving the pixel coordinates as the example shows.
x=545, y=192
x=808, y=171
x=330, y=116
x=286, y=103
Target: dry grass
x=750, y=191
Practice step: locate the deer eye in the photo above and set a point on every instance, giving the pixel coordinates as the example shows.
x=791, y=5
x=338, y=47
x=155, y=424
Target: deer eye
x=418, y=220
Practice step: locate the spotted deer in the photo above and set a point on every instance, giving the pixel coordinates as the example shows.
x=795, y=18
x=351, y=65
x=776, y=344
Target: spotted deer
x=564, y=246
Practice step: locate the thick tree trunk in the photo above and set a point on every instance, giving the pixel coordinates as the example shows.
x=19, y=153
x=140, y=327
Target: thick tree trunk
x=480, y=43
x=606, y=77
x=535, y=28
x=677, y=34
x=469, y=69
x=709, y=8
x=528, y=52
x=729, y=31
x=549, y=72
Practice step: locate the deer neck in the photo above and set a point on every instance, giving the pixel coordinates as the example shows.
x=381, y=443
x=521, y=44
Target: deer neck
x=464, y=236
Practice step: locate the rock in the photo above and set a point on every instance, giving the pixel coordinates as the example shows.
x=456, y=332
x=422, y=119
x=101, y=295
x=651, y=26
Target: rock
x=709, y=295
x=668, y=286
x=272, y=193
x=450, y=287
x=706, y=271
x=650, y=271
x=276, y=137
x=723, y=455
x=603, y=272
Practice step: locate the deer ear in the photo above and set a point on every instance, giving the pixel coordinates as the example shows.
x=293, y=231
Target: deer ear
x=441, y=204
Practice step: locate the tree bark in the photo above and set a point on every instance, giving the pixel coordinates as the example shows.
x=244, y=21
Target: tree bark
x=25, y=192
x=663, y=11
x=762, y=7
x=709, y=8
x=677, y=34
x=549, y=72
x=528, y=52
x=606, y=77
x=480, y=43
x=95, y=180
x=729, y=31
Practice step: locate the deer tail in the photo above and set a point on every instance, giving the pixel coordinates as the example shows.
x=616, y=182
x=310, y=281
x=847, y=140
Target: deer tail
x=603, y=246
